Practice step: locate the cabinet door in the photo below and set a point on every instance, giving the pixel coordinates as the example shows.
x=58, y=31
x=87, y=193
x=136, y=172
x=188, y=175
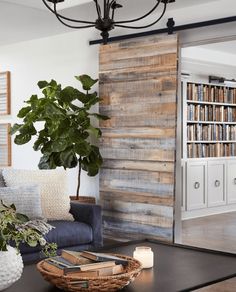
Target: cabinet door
x=216, y=183
x=196, y=185
x=231, y=182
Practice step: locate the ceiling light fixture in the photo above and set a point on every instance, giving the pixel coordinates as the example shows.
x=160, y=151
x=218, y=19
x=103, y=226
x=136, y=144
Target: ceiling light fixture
x=106, y=14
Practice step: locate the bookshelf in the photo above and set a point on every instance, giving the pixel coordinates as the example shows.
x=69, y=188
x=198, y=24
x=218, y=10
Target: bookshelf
x=209, y=120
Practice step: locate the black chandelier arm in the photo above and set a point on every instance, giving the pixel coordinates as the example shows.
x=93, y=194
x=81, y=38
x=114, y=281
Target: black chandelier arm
x=98, y=9
x=145, y=26
x=66, y=18
x=142, y=17
x=68, y=25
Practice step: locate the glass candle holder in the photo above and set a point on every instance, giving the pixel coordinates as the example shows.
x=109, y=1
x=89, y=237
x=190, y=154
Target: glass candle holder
x=144, y=254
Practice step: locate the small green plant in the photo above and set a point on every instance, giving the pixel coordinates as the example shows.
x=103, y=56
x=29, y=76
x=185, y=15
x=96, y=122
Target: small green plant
x=65, y=133
x=15, y=230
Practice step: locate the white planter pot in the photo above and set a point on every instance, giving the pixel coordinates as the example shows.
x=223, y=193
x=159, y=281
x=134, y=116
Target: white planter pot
x=11, y=267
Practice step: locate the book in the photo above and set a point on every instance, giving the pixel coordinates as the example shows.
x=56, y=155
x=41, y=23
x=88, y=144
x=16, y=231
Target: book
x=68, y=266
x=75, y=257
x=60, y=270
x=103, y=257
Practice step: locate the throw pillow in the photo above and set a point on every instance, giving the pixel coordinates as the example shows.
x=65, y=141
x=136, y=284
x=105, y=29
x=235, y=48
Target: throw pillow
x=26, y=199
x=52, y=183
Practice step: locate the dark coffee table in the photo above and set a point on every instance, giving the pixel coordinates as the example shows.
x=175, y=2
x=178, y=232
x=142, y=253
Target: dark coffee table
x=177, y=268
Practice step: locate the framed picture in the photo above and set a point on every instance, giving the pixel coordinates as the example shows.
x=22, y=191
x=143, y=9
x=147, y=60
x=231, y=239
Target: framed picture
x=5, y=145
x=5, y=93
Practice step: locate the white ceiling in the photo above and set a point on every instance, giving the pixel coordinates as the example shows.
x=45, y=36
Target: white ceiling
x=224, y=47
x=22, y=20
x=39, y=3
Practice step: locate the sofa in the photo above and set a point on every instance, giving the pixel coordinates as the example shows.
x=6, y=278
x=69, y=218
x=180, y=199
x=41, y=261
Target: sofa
x=84, y=233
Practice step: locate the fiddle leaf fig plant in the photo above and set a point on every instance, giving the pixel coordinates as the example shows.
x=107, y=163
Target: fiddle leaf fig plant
x=15, y=229
x=64, y=131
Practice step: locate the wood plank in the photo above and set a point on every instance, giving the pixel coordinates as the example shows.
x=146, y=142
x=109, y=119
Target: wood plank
x=139, y=120
x=140, y=61
x=137, y=208
x=138, y=143
x=144, y=198
x=125, y=227
x=139, y=132
x=139, y=165
x=137, y=154
x=153, y=220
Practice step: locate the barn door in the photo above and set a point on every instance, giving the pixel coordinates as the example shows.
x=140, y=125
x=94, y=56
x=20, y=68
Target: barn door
x=138, y=84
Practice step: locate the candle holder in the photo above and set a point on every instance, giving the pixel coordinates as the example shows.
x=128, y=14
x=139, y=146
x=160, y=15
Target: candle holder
x=145, y=255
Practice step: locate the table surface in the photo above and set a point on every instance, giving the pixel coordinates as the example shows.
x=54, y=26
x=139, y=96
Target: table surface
x=176, y=268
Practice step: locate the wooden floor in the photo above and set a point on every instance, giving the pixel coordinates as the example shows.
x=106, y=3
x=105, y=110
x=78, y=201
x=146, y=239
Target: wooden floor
x=216, y=232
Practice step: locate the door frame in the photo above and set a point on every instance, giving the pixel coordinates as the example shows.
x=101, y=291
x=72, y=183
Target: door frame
x=184, y=43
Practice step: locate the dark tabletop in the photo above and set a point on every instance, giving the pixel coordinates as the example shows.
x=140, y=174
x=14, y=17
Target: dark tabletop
x=176, y=268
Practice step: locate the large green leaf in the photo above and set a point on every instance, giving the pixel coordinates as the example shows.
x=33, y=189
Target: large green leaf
x=44, y=162
x=39, y=143
x=68, y=158
x=59, y=145
x=28, y=129
x=24, y=111
x=82, y=148
x=86, y=81
x=68, y=94
x=42, y=84
x=22, y=139
x=15, y=128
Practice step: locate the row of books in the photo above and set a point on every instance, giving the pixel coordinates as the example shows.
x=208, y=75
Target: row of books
x=85, y=264
x=210, y=150
x=211, y=93
x=199, y=132
x=212, y=113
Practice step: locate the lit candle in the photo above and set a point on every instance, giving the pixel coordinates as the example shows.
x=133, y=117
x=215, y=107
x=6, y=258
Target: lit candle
x=144, y=254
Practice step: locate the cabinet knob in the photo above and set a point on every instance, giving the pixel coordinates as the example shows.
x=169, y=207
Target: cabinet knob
x=217, y=183
x=197, y=185
x=235, y=181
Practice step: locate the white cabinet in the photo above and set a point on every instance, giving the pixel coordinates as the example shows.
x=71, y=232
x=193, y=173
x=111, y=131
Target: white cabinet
x=231, y=182
x=216, y=195
x=209, y=186
x=196, y=185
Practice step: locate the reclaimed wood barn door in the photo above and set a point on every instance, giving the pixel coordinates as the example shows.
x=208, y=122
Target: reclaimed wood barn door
x=138, y=84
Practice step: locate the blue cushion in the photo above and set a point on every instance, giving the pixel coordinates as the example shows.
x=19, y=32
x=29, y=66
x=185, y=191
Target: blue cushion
x=65, y=234
x=69, y=233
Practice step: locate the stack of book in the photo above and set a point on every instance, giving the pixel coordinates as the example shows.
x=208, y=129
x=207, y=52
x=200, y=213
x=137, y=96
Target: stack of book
x=200, y=150
x=211, y=113
x=85, y=264
x=199, y=132
x=211, y=93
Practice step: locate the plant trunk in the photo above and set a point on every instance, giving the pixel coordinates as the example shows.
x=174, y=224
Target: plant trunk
x=79, y=174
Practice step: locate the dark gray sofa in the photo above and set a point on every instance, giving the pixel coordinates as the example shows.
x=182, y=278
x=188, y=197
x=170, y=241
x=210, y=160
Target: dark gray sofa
x=85, y=232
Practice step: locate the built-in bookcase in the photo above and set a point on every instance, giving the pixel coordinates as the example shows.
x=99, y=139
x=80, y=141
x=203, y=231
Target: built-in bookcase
x=209, y=120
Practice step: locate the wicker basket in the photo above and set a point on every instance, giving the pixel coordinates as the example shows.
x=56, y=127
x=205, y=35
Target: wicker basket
x=92, y=284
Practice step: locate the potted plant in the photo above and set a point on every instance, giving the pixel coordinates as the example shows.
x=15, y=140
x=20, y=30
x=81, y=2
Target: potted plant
x=15, y=229
x=65, y=132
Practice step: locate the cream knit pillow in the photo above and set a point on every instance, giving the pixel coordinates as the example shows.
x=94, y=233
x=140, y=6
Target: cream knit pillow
x=55, y=201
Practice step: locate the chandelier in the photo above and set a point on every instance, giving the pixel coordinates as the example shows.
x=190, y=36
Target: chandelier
x=105, y=21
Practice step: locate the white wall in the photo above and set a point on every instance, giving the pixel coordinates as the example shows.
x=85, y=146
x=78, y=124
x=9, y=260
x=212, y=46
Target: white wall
x=60, y=57
x=200, y=63
x=64, y=55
